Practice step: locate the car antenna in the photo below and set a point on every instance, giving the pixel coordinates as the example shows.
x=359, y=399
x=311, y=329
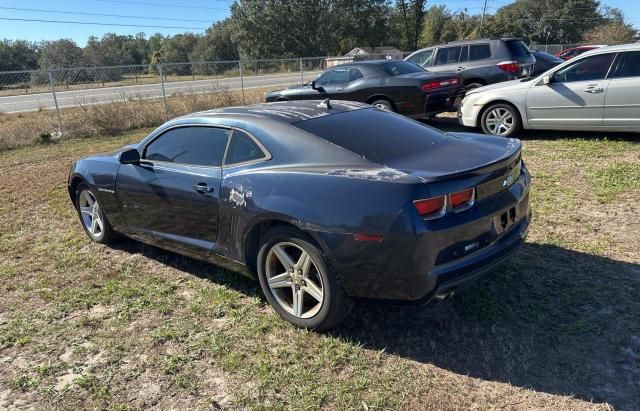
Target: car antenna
x=326, y=103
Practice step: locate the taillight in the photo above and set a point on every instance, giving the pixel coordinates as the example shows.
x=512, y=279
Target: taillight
x=431, y=207
x=432, y=85
x=509, y=66
x=462, y=199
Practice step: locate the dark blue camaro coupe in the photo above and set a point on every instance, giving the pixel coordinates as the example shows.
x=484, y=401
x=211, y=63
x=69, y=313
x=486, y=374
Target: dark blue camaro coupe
x=323, y=203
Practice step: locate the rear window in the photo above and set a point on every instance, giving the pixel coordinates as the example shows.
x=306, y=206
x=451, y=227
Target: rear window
x=379, y=138
x=518, y=48
x=396, y=68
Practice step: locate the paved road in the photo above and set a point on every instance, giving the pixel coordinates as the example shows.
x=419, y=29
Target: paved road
x=33, y=102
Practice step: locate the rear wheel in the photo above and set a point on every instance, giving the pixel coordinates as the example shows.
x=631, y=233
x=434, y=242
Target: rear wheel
x=500, y=120
x=298, y=282
x=384, y=105
x=92, y=218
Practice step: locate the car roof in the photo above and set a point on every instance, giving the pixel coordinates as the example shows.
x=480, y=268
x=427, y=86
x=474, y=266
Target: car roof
x=287, y=112
x=609, y=49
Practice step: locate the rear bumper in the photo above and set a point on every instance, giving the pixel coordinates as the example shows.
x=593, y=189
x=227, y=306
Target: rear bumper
x=418, y=262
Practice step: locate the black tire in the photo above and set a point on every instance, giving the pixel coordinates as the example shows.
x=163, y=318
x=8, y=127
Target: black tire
x=471, y=86
x=106, y=233
x=335, y=305
x=383, y=105
x=513, y=122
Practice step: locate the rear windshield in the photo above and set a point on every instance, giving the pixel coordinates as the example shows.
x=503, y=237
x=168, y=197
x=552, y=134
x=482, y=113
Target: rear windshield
x=518, y=48
x=378, y=138
x=395, y=68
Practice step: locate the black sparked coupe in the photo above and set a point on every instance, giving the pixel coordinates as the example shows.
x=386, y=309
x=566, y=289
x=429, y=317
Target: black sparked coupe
x=397, y=86
x=320, y=211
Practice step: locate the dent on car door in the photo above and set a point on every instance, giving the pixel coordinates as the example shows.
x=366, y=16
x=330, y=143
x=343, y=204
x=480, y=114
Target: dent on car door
x=622, y=105
x=574, y=97
x=172, y=196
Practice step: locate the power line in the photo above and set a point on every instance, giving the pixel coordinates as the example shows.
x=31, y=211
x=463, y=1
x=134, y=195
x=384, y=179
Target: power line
x=102, y=24
x=146, y=3
x=103, y=15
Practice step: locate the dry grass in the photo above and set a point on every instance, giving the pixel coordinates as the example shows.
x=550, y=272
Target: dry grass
x=131, y=327
x=24, y=129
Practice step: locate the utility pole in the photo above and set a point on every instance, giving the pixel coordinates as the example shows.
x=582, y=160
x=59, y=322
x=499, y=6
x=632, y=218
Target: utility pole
x=484, y=10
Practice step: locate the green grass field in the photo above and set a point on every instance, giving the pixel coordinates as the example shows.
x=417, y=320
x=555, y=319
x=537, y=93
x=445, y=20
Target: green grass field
x=132, y=327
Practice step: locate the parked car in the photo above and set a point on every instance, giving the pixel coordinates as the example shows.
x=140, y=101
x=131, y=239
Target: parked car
x=596, y=91
x=389, y=85
x=478, y=62
x=568, y=54
x=544, y=62
x=323, y=203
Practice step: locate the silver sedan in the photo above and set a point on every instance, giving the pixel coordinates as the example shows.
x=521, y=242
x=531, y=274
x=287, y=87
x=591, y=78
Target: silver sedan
x=597, y=91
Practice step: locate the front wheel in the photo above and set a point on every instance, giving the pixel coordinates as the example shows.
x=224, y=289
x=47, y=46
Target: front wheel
x=93, y=220
x=298, y=282
x=500, y=120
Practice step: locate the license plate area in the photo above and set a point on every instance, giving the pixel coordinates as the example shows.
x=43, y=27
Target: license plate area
x=503, y=221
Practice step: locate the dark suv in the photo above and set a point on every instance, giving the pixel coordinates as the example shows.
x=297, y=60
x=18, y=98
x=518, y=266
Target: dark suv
x=479, y=62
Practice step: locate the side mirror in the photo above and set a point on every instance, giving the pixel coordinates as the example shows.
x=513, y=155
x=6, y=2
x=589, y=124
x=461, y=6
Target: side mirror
x=316, y=87
x=546, y=80
x=131, y=156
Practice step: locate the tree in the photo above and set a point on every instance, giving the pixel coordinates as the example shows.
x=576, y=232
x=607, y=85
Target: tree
x=18, y=55
x=60, y=54
x=546, y=21
x=177, y=49
x=217, y=44
x=610, y=33
x=410, y=14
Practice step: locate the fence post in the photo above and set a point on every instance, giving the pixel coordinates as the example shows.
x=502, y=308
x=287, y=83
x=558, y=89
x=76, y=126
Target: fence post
x=301, y=72
x=241, y=81
x=55, y=101
x=164, y=95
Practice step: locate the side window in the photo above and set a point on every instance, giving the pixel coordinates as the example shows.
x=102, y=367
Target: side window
x=355, y=74
x=242, y=149
x=335, y=76
x=203, y=146
x=448, y=55
x=422, y=58
x=629, y=65
x=587, y=69
x=479, y=52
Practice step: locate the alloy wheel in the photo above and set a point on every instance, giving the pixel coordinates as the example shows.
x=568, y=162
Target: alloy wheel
x=499, y=121
x=294, y=280
x=90, y=214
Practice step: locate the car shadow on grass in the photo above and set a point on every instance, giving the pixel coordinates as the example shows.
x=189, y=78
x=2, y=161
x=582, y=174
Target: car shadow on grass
x=451, y=124
x=550, y=319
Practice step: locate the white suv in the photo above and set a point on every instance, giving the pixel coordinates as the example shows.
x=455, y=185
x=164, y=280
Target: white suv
x=596, y=91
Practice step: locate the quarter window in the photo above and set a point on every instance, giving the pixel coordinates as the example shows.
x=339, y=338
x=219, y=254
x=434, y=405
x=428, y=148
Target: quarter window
x=448, y=55
x=203, y=146
x=587, y=69
x=629, y=65
x=242, y=149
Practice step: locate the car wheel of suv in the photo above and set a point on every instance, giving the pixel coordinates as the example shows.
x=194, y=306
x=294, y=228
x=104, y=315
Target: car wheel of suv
x=93, y=221
x=500, y=120
x=298, y=282
x=383, y=105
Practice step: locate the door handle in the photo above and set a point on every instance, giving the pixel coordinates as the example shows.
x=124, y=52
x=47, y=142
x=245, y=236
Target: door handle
x=203, y=188
x=593, y=89
x=460, y=68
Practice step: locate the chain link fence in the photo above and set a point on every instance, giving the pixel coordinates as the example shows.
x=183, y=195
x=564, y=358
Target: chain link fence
x=80, y=101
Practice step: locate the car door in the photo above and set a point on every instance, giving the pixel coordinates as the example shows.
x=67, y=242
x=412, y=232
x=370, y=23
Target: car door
x=447, y=60
x=622, y=105
x=574, y=97
x=333, y=82
x=172, y=196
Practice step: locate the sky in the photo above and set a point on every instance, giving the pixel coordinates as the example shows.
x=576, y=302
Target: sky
x=190, y=15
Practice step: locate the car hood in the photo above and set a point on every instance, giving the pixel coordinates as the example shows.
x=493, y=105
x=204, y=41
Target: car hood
x=457, y=155
x=505, y=85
